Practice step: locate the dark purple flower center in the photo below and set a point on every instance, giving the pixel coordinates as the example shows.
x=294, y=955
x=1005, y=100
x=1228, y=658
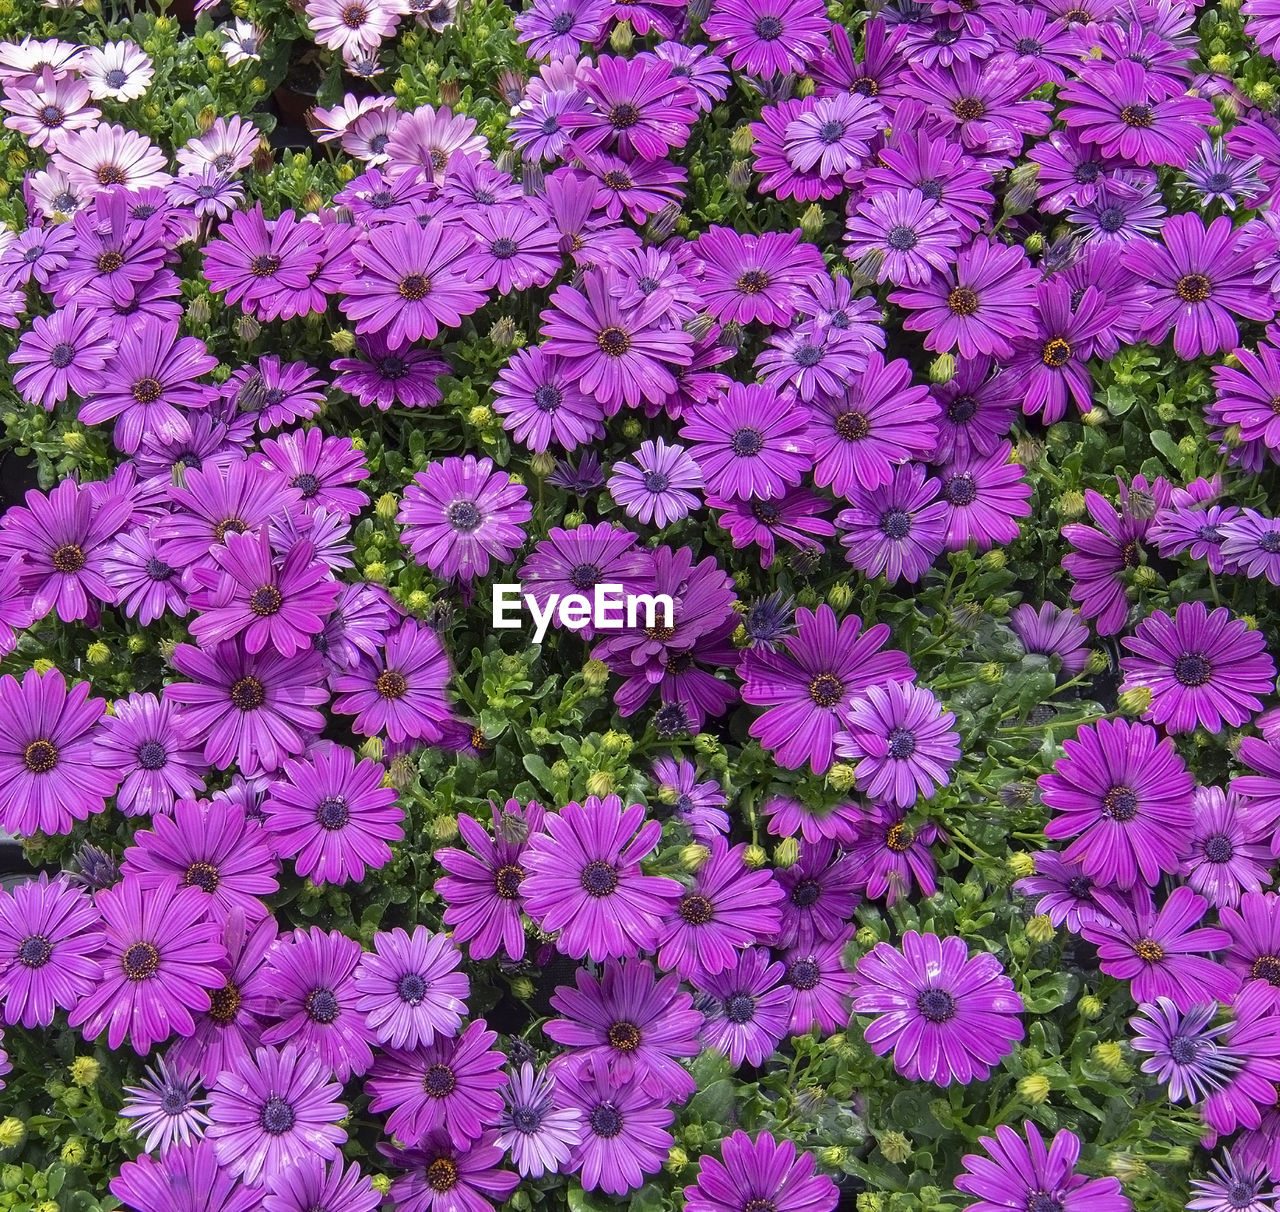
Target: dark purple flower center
x=321, y=1005
x=1241, y=1194
x=740, y=1008
x=306, y=484
x=617, y=180
x=1270, y=542
x=945, y=36
x=248, y=693
x=613, y=341
x=140, y=961
x=963, y=301
x=804, y=974
x=116, y=78
x=808, y=355
x=624, y=1036
x=1042, y=1201
x=464, y=516
x=411, y=988
x=1111, y=219
x=157, y=570
x=562, y=23
x=623, y=116
x=606, y=1120
x=51, y=115
x=656, y=481
x=902, y=238
x=507, y=880
x=414, y=287
x=1266, y=968
x=696, y=909
x=332, y=812
x=152, y=755
x=1192, y=670
x=33, y=254
x=936, y=1005
x=585, y=576
x=826, y=690
x=1218, y=848
x=175, y=1100
x=766, y=513
x=1184, y=1049
x=382, y=199
x=526, y=1119
x=392, y=367
x=831, y=131
x=439, y=1081
x=961, y=489
x=930, y=189
x=354, y=16
x=265, y=265
x=548, y=397
x=62, y=355
x=1055, y=353
x=768, y=28
x=902, y=744
x=276, y=1117
x=806, y=893
x=1028, y=46
x=1079, y=886
x=40, y=756
x=265, y=601
x=503, y=248
x=68, y=558
x=746, y=442
x=961, y=409
x=223, y=162
x=1193, y=288
x=599, y=878
x=203, y=876
x=853, y=426
x=752, y=281
x=1138, y=116
x=391, y=685
x=1216, y=183
x=895, y=524
x=35, y=951
x=1120, y=804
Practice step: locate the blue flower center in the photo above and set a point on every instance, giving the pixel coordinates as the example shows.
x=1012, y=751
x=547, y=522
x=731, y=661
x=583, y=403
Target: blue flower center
x=936, y=1005
x=411, y=988
x=740, y=1008
x=152, y=755
x=35, y=951
x=277, y=1116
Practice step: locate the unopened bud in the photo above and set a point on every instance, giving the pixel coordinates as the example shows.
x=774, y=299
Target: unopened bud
x=1040, y=929
x=1071, y=504
x=1034, y=1088
x=622, y=38
x=343, y=341
x=693, y=856
x=786, y=853
x=1135, y=701
x=755, y=857
x=1021, y=864
x=896, y=1147
x=601, y=783
x=1090, y=1006
x=595, y=674
x=942, y=369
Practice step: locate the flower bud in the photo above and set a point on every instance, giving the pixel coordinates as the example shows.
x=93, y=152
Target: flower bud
x=632, y=429
x=755, y=857
x=1263, y=93
x=574, y=519
x=42, y=664
x=73, y=440
x=1096, y=417
x=841, y=777
x=840, y=596
x=869, y=1201
x=595, y=674
x=1097, y=662
x=73, y=1153
x=811, y=222
x=205, y=119
x=896, y=1147
x=1108, y=1054
x=622, y=38
x=601, y=783
x=560, y=770
x=676, y=1161
x=786, y=853
x=1135, y=701
x=403, y=774
x=1145, y=577
x=137, y=644
x=380, y=1183
x=739, y=177
x=97, y=653
x=1127, y=1167
x=12, y=1130
x=993, y=560
x=1033, y=244
x=1090, y=1006
x=991, y=672
x=503, y=332
x=1071, y=504
x=1021, y=864
x=375, y=570
x=942, y=369
x=372, y=749
x=1040, y=929
x=84, y=1071
x=481, y=416
x=388, y=506
x=1034, y=1088
x=616, y=742
x=343, y=341
x=199, y=312
x=693, y=856
x=523, y=988
x=866, y=937
x=247, y=328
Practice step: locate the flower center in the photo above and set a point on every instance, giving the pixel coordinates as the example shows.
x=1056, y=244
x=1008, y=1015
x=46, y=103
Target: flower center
x=806, y=893
x=585, y=576
x=902, y=238
x=804, y=974
x=599, y=878
x=1270, y=542
x=391, y=685
x=442, y=1174
x=1191, y=669
x=35, y=951
x=1218, y=849
x=746, y=442
x=562, y=23
x=174, y=1100
x=899, y=837
x=62, y=355
x=1120, y=804
x=1138, y=116
x=116, y=78
x=696, y=909
x=1079, y=886
x=1194, y=288
x=203, y=876
x=332, y=812
x=617, y=180
x=40, y=756
x=1027, y=46
x=140, y=961
x=248, y=693
x=393, y=368
x=961, y=489
x=507, y=880
x=826, y=690
x=1042, y=1201
x=768, y=29
x=740, y=1008
x=808, y=355
x=147, y=391
x=766, y=512
x=936, y=1005
x=464, y=516
x=963, y=301
x=411, y=988
x=439, y=1081
x=152, y=755
x=321, y=1005
x=503, y=249
x=902, y=744
x=831, y=132
x=1266, y=968
x=224, y=1003
x=614, y=342
x=967, y=109
x=606, y=1120
x=354, y=16
x=624, y=1036
x=414, y=287
x=548, y=397
x=1149, y=950
x=68, y=558
x=264, y=265
x=1184, y=1049
x=1242, y=1194
x=265, y=601
x=277, y=1116
x=111, y=174
x=1056, y=352
x=1111, y=220
x=623, y=116
x=752, y=282
x=962, y=409
x=853, y=426
x=896, y=524
x=656, y=482
x=228, y=526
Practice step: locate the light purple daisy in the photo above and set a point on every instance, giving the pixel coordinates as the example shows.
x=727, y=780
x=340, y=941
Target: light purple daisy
x=657, y=488
x=409, y=988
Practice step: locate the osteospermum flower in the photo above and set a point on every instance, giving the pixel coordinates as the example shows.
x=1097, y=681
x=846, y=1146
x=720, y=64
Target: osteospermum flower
x=1230, y=852
x=451, y=1084
x=119, y=70
x=50, y=937
x=889, y=855
x=911, y=234
x=768, y=38
x=747, y=277
x=657, y=488
x=166, y=1108
x=1019, y=1172
x=410, y=989
x=187, y=1178
x=584, y=879
x=540, y=402
x=272, y=1110
x=1184, y=1051
x=747, y=1007
x=387, y=374
x=897, y=529
x=160, y=960
x=759, y=1173
x=1202, y=668
x=809, y=686
x=62, y=352
x=946, y=1015
x=832, y=135
x=1052, y=632
x=148, y=742
x=310, y=1184
x=460, y=514
x=48, y=778
x=819, y=895
x=904, y=743
x=255, y=259
x=537, y=1133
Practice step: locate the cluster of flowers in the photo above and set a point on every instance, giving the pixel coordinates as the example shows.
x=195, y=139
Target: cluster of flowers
x=232, y=508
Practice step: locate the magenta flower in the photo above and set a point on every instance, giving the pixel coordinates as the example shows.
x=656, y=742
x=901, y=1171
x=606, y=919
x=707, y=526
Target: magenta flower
x=911, y=234
x=748, y=277
x=945, y=1014
x=254, y=259
x=657, y=488
x=888, y=855
x=187, y=1178
x=896, y=530
x=760, y=1173
x=441, y=1177
x=160, y=960
x=747, y=1007
x=62, y=352
x=410, y=989
x=540, y=402
x=768, y=38
x=637, y=107
x=149, y=743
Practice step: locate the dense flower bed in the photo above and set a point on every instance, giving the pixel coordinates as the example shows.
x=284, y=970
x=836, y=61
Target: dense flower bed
x=923, y=356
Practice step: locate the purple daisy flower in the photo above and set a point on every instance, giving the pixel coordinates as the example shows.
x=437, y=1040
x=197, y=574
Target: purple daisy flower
x=1251, y=1038
x=904, y=743
x=1244, y=394
x=789, y=817
x=832, y=135
x=888, y=855
x=946, y=1015
x=63, y=352
x=275, y=393
x=254, y=259
x=768, y=38
x=747, y=1007
x=460, y=514
x=16, y=613
x=910, y=235
x=1162, y=953
x=484, y=885
x=410, y=989
x=978, y=306
x=795, y=517
x=209, y=845
x=539, y=1135
x=50, y=938
x=636, y=108
x=1250, y=542
x=320, y=468
x=750, y=443
x=332, y=815
x=1052, y=632
x=809, y=686
x=272, y=1111
x=1066, y=893
x=1119, y=211
x=1124, y=794
x=819, y=892
x=151, y=745
x=1202, y=668
x=985, y=495
x=310, y=979
x=159, y=962
x=728, y=908
x=896, y=529
x=309, y=1184
x=209, y=193
x=624, y=1136
x=146, y=586
x=748, y=277
x=166, y=1109
x=540, y=402
x=657, y=488
x=515, y=248
x=974, y=411
x=697, y=802
x=1184, y=1051
x=1230, y=854
x=188, y=1178
x=760, y=1173
x=584, y=880
x=442, y=1177
x=385, y=374
x=48, y=776
x=254, y=709
x=1236, y=1185
x=1200, y=277
x=401, y=692
x=1022, y=1173
x=451, y=1084
x=556, y=28
x=1254, y=930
